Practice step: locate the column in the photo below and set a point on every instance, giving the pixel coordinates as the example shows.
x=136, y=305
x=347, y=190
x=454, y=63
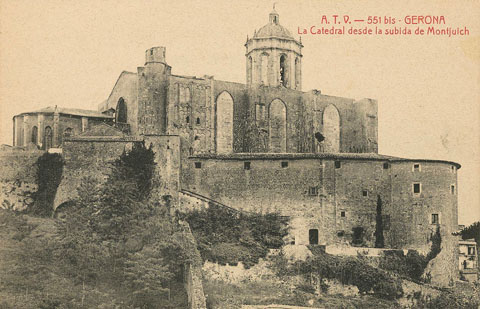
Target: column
x=41, y=128
x=26, y=130
x=56, y=120
x=84, y=124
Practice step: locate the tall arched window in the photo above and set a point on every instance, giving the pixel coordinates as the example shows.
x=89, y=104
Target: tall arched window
x=283, y=70
x=34, y=135
x=331, y=129
x=278, y=126
x=297, y=73
x=48, y=138
x=121, y=111
x=224, y=123
x=264, y=68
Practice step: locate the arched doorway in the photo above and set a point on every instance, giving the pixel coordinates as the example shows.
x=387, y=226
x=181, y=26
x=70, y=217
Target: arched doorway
x=48, y=138
x=277, y=126
x=224, y=131
x=121, y=111
x=34, y=135
x=331, y=129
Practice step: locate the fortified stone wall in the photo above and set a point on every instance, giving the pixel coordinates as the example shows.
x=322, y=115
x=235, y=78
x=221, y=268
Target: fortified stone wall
x=18, y=177
x=92, y=157
x=88, y=158
x=333, y=194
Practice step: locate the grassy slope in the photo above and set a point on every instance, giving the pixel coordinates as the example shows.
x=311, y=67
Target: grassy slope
x=31, y=276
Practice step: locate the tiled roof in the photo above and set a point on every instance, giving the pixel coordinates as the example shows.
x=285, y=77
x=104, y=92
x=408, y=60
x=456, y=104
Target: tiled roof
x=69, y=111
x=299, y=156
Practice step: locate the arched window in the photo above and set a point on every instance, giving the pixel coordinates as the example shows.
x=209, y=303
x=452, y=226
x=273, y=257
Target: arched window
x=278, y=126
x=224, y=123
x=121, y=111
x=48, y=138
x=331, y=129
x=34, y=135
x=264, y=69
x=283, y=70
x=68, y=132
x=297, y=73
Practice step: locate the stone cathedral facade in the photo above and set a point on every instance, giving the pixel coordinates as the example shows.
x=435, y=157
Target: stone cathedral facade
x=265, y=146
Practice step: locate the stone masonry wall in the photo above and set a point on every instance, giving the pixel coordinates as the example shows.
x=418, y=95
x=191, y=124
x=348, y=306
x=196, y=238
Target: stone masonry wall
x=337, y=195
x=18, y=171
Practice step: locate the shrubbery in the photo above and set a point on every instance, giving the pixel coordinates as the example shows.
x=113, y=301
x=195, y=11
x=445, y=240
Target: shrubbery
x=413, y=264
x=351, y=270
x=227, y=236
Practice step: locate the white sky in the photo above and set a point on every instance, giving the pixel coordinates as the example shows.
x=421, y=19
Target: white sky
x=70, y=53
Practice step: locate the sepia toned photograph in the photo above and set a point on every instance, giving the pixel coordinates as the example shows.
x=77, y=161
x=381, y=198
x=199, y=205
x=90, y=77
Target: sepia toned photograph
x=239, y=154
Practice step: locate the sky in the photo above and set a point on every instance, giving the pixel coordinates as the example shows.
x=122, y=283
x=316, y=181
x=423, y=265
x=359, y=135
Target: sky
x=70, y=53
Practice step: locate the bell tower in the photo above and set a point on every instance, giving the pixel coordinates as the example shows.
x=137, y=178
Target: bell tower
x=273, y=56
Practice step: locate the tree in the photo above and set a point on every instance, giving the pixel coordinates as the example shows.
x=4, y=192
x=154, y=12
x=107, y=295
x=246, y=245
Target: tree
x=379, y=238
x=472, y=231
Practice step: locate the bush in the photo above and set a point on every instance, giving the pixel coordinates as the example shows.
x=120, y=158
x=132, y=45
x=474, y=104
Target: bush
x=413, y=264
x=228, y=236
x=352, y=271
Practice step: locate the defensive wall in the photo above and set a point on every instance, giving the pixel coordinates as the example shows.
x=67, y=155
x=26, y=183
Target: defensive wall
x=328, y=195
x=18, y=176
x=90, y=158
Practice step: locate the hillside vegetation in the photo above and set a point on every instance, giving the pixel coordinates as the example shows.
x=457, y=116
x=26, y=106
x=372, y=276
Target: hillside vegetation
x=113, y=247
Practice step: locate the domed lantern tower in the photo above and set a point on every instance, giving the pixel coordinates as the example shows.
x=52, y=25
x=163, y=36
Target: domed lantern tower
x=274, y=57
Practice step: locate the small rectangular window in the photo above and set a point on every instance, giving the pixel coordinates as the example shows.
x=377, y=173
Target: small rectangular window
x=313, y=191
x=386, y=166
x=452, y=189
x=365, y=192
x=416, y=167
x=342, y=214
x=246, y=165
x=198, y=120
x=471, y=250
x=416, y=188
x=284, y=164
x=435, y=219
x=338, y=164
x=198, y=164
x=453, y=169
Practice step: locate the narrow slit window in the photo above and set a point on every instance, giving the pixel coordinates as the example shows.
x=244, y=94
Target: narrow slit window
x=435, y=219
x=187, y=119
x=198, y=120
x=452, y=189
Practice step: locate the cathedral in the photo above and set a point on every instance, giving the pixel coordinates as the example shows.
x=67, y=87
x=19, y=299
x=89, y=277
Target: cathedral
x=263, y=146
